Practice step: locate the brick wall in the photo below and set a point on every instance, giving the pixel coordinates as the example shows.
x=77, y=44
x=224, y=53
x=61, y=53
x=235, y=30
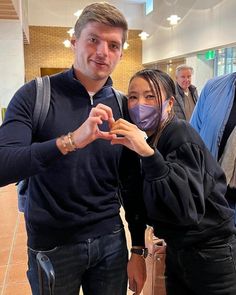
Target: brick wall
x=46, y=50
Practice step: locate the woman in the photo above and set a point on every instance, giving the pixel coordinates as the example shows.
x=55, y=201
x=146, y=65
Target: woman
x=184, y=190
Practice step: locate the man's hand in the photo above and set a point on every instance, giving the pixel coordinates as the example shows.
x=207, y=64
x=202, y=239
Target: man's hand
x=89, y=130
x=136, y=273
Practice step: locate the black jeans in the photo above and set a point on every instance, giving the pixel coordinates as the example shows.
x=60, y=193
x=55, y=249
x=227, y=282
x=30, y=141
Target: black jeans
x=202, y=270
x=98, y=265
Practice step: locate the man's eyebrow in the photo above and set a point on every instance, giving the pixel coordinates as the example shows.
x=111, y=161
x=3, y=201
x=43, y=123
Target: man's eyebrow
x=93, y=35
x=98, y=37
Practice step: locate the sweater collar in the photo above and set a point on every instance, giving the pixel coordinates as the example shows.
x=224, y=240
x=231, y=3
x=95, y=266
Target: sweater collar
x=71, y=73
x=79, y=87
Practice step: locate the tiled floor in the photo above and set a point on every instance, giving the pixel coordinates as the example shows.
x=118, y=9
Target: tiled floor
x=12, y=245
x=13, y=257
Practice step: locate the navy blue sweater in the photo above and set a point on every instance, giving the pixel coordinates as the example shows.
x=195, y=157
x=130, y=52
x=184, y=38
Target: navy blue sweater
x=72, y=197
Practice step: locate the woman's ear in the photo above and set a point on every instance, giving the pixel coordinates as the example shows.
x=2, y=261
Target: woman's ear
x=170, y=104
x=171, y=101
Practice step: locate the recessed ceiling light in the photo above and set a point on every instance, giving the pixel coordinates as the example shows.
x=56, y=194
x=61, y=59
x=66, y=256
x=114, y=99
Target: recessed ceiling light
x=173, y=19
x=143, y=35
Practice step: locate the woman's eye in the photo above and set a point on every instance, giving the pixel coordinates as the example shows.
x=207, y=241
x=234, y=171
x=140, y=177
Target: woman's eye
x=132, y=97
x=151, y=97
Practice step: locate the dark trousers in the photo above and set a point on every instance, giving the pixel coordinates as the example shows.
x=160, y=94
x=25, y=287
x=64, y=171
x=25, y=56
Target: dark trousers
x=98, y=265
x=209, y=269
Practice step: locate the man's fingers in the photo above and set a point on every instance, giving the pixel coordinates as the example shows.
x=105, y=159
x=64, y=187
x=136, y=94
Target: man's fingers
x=104, y=111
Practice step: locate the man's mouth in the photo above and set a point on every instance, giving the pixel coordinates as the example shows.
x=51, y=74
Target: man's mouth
x=100, y=63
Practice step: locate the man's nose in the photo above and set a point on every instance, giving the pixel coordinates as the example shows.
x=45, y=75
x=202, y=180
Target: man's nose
x=102, y=49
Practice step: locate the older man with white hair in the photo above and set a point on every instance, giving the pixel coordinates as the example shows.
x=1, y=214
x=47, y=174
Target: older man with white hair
x=186, y=93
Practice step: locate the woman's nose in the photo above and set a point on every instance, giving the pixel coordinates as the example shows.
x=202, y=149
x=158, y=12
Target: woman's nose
x=141, y=100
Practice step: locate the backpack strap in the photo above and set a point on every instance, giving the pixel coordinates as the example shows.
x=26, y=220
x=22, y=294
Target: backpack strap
x=119, y=97
x=41, y=107
x=123, y=104
x=43, y=96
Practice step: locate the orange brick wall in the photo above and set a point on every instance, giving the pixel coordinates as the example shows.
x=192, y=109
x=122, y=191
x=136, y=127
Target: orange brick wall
x=46, y=50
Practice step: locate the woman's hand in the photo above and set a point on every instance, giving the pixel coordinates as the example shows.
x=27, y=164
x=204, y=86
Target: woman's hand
x=131, y=136
x=136, y=273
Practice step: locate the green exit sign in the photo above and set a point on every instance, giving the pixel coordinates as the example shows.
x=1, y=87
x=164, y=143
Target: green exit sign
x=210, y=54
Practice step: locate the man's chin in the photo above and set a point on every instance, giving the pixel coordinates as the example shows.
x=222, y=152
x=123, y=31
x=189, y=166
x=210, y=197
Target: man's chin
x=100, y=75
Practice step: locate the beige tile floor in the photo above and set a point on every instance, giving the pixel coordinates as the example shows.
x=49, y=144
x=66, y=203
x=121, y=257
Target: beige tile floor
x=13, y=257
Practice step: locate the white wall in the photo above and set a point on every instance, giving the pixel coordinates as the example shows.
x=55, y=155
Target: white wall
x=204, y=25
x=11, y=59
x=203, y=70
x=24, y=18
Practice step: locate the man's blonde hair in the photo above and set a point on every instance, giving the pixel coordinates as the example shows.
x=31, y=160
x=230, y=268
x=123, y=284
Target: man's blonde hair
x=104, y=13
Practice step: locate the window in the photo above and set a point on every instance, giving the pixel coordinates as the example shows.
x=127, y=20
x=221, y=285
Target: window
x=148, y=6
x=225, y=61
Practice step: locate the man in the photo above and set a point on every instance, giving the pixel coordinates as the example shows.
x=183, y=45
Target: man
x=215, y=119
x=72, y=214
x=186, y=93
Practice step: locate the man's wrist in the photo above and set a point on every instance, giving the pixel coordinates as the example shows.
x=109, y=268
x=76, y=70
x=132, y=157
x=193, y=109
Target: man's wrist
x=66, y=144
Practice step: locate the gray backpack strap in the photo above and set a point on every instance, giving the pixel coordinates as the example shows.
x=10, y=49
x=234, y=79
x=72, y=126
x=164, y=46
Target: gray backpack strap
x=42, y=102
x=123, y=104
x=119, y=96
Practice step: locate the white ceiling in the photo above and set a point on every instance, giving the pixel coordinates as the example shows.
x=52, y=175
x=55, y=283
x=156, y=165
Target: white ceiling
x=61, y=13
x=8, y=9
x=135, y=1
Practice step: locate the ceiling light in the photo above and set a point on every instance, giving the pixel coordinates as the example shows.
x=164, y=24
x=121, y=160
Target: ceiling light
x=126, y=45
x=143, y=35
x=67, y=43
x=71, y=32
x=173, y=19
x=78, y=12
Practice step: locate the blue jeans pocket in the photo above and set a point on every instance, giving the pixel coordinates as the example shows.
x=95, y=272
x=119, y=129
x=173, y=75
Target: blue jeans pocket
x=118, y=228
x=43, y=251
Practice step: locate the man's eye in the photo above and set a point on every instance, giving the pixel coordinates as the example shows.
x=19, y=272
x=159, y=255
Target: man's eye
x=93, y=40
x=115, y=46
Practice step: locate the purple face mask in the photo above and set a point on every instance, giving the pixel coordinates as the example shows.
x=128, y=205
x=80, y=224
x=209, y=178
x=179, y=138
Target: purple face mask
x=147, y=117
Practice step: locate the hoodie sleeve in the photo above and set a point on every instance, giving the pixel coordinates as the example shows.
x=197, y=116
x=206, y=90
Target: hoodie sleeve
x=174, y=187
x=19, y=157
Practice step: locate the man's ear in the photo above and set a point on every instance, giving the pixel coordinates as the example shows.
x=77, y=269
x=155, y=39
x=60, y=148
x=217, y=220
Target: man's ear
x=73, y=42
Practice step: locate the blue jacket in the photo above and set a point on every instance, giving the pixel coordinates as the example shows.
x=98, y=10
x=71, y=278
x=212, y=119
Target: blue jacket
x=212, y=110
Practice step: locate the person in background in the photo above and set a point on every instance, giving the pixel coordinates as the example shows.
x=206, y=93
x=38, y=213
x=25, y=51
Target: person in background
x=72, y=213
x=186, y=93
x=183, y=190
x=215, y=119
